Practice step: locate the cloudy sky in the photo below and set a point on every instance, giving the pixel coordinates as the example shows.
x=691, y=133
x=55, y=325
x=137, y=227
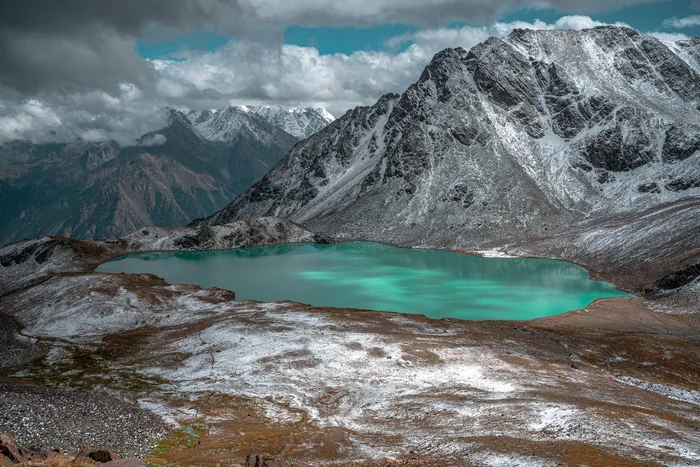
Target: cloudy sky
x=107, y=69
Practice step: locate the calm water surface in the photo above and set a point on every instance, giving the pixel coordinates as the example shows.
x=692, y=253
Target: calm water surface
x=438, y=284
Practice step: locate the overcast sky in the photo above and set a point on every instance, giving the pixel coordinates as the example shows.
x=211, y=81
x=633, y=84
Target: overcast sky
x=107, y=69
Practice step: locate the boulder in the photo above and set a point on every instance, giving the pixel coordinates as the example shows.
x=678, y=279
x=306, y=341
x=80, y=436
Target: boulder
x=97, y=455
x=103, y=456
x=258, y=460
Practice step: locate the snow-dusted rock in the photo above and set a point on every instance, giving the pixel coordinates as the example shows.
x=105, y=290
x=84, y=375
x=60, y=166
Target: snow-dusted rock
x=227, y=124
x=31, y=261
x=242, y=234
x=298, y=122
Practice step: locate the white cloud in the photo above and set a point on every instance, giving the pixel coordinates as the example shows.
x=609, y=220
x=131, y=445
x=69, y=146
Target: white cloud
x=680, y=23
x=669, y=36
x=246, y=72
x=153, y=140
x=579, y=22
x=91, y=116
x=434, y=40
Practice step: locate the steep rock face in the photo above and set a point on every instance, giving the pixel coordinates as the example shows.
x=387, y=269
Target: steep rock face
x=689, y=51
x=531, y=136
x=97, y=190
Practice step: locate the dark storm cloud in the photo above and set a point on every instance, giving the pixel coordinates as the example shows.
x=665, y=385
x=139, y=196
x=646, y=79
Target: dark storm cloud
x=74, y=45
x=419, y=13
x=132, y=17
x=137, y=16
x=34, y=62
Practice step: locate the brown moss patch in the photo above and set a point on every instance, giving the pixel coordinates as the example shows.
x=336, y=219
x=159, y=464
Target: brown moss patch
x=566, y=452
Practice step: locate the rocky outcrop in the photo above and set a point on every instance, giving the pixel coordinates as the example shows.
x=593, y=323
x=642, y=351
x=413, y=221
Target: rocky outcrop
x=677, y=279
x=10, y=449
x=31, y=261
x=11, y=453
x=100, y=456
x=243, y=234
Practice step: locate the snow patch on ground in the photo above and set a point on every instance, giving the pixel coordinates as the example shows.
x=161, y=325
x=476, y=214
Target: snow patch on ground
x=555, y=419
x=338, y=378
x=170, y=415
x=494, y=254
x=674, y=392
x=66, y=311
x=511, y=460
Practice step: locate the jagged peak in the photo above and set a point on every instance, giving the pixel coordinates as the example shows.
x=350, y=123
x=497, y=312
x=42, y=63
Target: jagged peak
x=390, y=96
x=177, y=117
x=448, y=55
x=596, y=30
x=443, y=62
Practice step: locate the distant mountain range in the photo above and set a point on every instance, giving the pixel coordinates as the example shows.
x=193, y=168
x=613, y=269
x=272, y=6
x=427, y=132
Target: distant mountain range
x=539, y=135
x=190, y=168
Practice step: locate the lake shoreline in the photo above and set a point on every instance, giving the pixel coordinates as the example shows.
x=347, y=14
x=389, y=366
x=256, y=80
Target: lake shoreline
x=376, y=276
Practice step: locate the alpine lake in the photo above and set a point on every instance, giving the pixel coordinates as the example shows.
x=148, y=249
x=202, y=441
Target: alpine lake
x=363, y=275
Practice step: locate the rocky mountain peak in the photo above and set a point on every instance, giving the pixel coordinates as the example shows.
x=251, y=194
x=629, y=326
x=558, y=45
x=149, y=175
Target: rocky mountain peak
x=299, y=122
x=177, y=117
x=227, y=124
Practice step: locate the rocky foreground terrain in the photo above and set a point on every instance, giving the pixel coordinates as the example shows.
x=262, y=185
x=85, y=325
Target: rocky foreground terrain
x=615, y=384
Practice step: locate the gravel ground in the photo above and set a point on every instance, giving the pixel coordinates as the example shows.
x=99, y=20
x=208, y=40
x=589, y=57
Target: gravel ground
x=43, y=418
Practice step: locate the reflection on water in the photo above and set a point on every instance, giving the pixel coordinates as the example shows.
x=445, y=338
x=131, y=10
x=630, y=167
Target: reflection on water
x=435, y=283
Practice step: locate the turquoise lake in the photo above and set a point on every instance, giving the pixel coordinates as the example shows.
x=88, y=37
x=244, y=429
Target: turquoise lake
x=438, y=284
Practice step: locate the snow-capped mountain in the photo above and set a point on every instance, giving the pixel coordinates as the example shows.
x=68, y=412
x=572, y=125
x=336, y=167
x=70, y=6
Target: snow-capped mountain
x=298, y=122
x=226, y=124
x=229, y=125
x=539, y=134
